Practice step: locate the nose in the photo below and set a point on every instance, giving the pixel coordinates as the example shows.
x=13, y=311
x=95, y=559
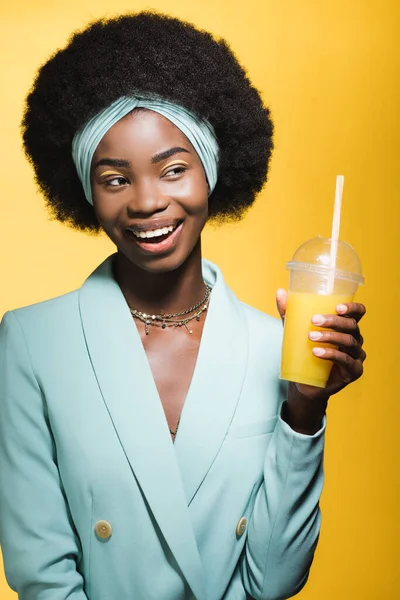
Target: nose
x=146, y=198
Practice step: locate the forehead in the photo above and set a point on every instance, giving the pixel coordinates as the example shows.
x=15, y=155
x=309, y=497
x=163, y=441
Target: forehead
x=142, y=132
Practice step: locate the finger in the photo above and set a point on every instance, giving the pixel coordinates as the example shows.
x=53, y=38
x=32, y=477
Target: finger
x=281, y=302
x=352, y=309
x=345, y=341
x=363, y=355
x=342, y=324
x=352, y=368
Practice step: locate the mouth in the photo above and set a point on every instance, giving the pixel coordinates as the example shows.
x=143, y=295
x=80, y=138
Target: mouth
x=153, y=236
x=154, y=241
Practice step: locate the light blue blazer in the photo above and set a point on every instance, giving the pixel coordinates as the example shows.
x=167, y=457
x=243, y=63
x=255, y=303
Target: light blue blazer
x=97, y=503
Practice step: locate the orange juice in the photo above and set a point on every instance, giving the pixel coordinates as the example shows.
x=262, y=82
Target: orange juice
x=298, y=362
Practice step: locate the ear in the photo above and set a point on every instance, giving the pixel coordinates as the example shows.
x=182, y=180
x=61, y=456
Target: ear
x=281, y=300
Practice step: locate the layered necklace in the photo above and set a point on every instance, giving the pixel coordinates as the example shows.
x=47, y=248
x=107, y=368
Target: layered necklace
x=178, y=319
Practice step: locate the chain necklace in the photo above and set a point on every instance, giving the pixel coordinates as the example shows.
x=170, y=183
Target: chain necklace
x=176, y=430
x=172, y=319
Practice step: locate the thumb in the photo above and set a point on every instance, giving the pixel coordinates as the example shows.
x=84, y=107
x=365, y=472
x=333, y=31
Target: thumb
x=281, y=300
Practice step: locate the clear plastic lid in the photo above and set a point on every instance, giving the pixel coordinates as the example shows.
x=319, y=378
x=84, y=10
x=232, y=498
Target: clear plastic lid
x=314, y=256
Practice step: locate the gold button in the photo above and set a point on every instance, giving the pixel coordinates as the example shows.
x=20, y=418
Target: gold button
x=103, y=529
x=241, y=526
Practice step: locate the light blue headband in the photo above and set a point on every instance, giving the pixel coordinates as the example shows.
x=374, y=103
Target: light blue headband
x=199, y=132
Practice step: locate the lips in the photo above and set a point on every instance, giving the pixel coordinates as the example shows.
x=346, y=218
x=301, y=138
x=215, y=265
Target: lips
x=156, y=237
x=153, y=235
x=153, y=226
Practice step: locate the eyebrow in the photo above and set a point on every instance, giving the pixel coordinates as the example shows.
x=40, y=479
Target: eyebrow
x=112, y=162
x=121, y=163
x=167, y=153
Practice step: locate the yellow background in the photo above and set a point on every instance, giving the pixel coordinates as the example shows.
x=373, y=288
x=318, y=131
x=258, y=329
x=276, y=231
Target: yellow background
x=329, y=71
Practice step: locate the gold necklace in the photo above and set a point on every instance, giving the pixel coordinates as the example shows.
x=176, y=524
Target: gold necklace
x=172, y=319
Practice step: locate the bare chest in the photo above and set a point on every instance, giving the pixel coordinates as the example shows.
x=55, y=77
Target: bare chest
x=172, y=356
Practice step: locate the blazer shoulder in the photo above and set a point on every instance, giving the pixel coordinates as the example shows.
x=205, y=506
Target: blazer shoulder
x=46, y=311
x=262, y=322
x=265, y=338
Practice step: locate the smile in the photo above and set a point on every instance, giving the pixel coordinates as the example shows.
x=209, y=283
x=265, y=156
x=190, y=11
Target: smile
x=156, y=241
x=153, y=233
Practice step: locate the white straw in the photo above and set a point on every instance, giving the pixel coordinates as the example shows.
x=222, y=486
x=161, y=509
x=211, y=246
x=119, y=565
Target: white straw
x=335, y=233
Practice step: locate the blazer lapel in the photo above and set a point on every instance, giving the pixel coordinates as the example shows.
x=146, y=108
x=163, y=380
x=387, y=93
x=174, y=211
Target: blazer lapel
x=216, y=385
x=130, y=394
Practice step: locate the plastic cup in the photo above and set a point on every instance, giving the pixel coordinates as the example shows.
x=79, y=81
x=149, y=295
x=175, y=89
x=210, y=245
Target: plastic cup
x=311, y=292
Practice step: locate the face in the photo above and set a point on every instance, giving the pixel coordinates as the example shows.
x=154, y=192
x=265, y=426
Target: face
x=149, y=189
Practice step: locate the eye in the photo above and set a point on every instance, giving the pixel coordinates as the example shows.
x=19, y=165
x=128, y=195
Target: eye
x=173, y=172
x=116, y=181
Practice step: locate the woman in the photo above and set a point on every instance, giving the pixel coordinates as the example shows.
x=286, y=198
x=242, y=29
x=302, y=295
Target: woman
x=148, y=449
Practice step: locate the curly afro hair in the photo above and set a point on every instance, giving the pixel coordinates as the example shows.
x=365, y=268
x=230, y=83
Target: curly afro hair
x=153, y=53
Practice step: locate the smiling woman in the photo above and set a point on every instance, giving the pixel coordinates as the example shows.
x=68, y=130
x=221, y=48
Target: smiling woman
x=148, y=448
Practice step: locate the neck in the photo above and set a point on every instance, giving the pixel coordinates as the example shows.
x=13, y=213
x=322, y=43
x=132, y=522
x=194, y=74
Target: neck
x=170, y=291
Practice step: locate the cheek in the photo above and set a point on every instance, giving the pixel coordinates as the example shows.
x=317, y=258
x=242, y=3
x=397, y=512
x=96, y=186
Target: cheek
x=106, y=212
x=192, y=194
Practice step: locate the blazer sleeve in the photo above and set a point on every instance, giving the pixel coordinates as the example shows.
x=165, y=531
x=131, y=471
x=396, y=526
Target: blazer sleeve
x=39, y=546
x=284, y=527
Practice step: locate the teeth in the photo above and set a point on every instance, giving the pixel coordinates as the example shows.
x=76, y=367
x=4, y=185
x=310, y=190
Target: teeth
x=153, y=233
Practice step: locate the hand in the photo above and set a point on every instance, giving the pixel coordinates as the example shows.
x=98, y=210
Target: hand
x=347, y=355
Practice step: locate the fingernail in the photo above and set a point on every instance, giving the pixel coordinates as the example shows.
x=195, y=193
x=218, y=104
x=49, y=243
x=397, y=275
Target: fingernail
x=318, y=351
x=315, y=335
x=318, y=320
x=341, y=308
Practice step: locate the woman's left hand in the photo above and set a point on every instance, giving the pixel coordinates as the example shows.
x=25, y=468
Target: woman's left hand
x=347, y=355
x=344, y=333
